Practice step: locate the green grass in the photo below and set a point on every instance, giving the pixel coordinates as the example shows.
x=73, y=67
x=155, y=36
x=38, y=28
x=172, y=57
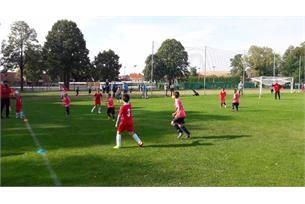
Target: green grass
x=262, y=145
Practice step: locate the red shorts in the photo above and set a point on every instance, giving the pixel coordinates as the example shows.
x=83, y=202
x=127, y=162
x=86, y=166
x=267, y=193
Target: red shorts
x=222, y=100
x=97, y=102
x=123, y=127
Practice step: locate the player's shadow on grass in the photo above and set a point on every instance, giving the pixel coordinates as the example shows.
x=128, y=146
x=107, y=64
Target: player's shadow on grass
x=193, y=144
x=221, y=137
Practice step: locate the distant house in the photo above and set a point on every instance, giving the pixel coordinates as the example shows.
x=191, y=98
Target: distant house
x=11, y=77
x=136, y=77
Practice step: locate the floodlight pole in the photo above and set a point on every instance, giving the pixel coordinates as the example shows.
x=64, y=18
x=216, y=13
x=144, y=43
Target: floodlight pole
x=152, y=66
x=205, y=68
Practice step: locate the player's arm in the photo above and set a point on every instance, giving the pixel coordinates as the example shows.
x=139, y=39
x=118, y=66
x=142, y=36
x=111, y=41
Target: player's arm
x=117, y=120
x=175, y=113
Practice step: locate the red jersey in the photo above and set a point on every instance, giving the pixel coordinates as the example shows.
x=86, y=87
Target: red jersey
x=179, y=108
x=277, y=87
x=110, y=103
x=236, y=98
x=5, y=91
x=18, y=104
x=67, y=101
x=125, y=113
x=222, y=95
x=98, y=98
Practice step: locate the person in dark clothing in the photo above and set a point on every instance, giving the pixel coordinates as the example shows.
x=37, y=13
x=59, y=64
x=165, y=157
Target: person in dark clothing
x=77, y=91
x=5, y=98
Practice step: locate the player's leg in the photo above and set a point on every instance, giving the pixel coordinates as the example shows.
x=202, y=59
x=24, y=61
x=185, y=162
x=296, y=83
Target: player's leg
x=118, y=140
x=7, y=107
x=136, y=138
x=279, y=95
x=93, y=108
x=2, y=106
x=183, y=128
x=232, y=106
x=99, y=108
x=113, y=114
x=68, y=111
x=237, y=104
x=108, y=113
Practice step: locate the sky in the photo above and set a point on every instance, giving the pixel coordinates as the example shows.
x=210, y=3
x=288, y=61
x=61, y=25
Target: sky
x=131, y=37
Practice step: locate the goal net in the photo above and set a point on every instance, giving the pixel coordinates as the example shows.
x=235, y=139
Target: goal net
x=268, y=81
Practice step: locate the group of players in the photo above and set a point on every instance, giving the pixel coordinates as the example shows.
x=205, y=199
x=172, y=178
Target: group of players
x=124, y=122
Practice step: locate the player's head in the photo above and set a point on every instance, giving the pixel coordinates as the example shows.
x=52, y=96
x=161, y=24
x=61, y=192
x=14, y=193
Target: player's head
x=223, y=89
x=5, y=82
x=126, y=98
x=66, y=94
x=176, y=94
x=109, y=95
x=98, y=90
x=235, y=90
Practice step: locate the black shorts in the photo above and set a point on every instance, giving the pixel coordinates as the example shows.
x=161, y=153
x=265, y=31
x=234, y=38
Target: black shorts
x=110, y=111
x=179, y=120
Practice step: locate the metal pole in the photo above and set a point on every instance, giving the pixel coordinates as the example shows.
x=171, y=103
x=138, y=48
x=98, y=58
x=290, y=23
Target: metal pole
x=152, y=66
x=205, y=67
x=244, y=67
x=300, y=72
x=273, y=64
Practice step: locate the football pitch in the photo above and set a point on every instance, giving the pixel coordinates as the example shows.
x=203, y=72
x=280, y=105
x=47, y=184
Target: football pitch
x=261, y=145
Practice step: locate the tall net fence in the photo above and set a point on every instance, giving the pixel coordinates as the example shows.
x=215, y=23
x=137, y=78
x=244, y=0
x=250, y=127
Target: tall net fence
x=209, y=62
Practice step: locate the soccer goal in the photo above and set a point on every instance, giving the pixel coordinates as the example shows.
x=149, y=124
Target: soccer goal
x=269, y=80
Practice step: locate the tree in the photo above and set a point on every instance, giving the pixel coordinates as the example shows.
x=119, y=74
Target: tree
x=158, y=68
x=20, y=39
x=174, y=59
x=260, y=59
x=33, y=69
x=237, y=65
x=65, y=52
x=106, y=66
x=193, y=71
x=290, y=62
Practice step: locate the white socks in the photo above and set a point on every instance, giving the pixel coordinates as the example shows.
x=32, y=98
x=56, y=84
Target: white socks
x=136, y=138
x=118, y=140
x=92, y=109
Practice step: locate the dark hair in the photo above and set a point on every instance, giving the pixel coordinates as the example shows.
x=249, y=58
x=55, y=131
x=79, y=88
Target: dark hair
x=176, y=94
x=125, y=98
x=109, y=95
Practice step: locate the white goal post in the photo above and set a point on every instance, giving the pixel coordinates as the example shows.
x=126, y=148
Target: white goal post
x=269, y=80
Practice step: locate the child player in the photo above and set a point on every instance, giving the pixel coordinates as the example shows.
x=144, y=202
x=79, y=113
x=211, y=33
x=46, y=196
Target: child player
x=126, y=123
x=179, y=116
x=223, y=98
x=19, y=113
x=235, y=102
x=66, y=101
x=97, y=104
x=110, y=105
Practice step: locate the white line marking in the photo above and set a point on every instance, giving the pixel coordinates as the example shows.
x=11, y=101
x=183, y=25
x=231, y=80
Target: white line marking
x=44, y=155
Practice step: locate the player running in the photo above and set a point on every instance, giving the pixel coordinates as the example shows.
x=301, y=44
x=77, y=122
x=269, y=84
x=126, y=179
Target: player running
x=97, y=104
x=223, y=95
x=126, y=123
x=66, y=102
x=179, y=116
x=235, y=102
x=110, y=106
